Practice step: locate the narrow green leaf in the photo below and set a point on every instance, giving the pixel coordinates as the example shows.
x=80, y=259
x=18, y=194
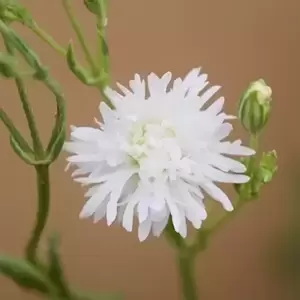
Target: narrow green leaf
x=55, y=271
x=25, y=156
x=268, y=166
x=14, y=132
x=24, y=274
x=58, y=132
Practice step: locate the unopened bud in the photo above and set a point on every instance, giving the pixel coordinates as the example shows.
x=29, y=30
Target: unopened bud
x=8, y=66
x=12, y=11
x=255, y=106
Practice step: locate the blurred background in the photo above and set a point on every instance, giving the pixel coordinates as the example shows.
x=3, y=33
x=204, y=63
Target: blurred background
x=253, y=257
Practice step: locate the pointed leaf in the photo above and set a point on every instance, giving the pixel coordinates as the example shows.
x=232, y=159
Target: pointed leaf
x=268, y=166
x=55, y=271
x=24, y=274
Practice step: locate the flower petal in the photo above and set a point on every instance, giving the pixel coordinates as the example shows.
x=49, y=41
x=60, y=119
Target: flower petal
x=217, y=194
x=144, y=229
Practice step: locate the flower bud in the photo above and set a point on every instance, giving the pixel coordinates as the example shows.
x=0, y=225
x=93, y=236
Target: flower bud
x=8, y=66
x=12, y=11
x=255, y=106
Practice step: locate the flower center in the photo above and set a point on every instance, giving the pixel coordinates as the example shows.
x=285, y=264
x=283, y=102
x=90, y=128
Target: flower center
x=148, y=137
x=153, y=147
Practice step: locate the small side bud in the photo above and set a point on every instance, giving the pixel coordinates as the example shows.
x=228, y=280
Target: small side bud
x=8, y=66
x=255, y=106
x=93, y=6
x=12, y=11
x=80, y=72
x=98, y=8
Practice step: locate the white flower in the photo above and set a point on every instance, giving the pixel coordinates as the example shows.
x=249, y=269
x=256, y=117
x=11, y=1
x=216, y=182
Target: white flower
x=157, y=155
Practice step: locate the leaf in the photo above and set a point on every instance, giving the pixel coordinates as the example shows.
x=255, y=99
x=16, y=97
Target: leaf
x=55, y=271
x=268, y=166
x=24, y=274
x=25, y=156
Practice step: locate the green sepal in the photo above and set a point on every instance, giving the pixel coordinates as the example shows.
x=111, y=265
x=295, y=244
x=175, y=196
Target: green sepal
x=80, y=72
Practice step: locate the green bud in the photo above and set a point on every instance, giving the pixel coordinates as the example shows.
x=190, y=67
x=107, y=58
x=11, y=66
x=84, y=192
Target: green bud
x=254, y=107
x=12, y=11
x=96, y=6
x=80, y=72
x=92, y=6
x=8, y=66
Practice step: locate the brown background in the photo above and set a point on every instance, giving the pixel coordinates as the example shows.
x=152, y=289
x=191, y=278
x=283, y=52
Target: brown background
x=235, y=41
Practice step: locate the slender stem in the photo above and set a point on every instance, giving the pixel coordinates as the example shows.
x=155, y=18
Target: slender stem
x=173, y=237
x=68, y=8
x=186, y=262
x=228, y=215
x=102, y=54
x=186, y=267
x=43, y=189
x=47, y=38
x=101, y=34
x=36, y=141
x=252, y=159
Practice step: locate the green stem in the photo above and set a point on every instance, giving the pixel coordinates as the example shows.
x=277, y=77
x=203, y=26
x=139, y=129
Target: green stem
x=173, y=237
x=101, y=34
x=47, y=38
x=43, y=188
x=186, y=262
x=68, y=8
x=36, y=141
x=228, y=216
x=186, y=267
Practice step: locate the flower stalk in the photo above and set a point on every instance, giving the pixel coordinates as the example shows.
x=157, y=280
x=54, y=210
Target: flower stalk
x=37, y=144
x=77, y=28
x=42, y=34
x=186, y=269
x=43, y=192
